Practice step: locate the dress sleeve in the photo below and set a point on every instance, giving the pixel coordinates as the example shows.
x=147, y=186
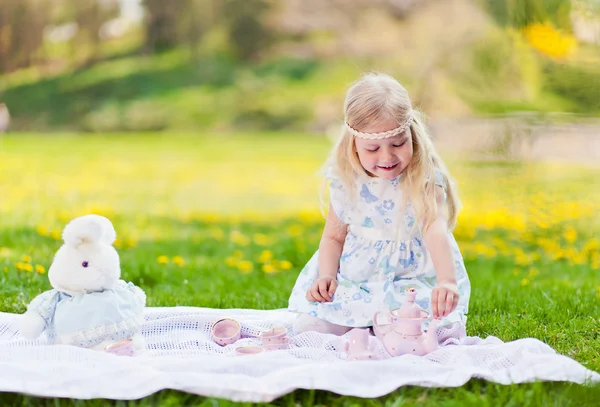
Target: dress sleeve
x=439, y=180
x=337, y=194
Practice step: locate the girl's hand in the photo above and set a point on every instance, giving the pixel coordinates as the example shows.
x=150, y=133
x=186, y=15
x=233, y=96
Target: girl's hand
x=444, y=299
x=322, y=289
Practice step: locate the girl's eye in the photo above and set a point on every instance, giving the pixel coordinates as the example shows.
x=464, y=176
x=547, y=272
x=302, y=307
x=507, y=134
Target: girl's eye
x=84, y=264
x=372, y=151
x=400, y=145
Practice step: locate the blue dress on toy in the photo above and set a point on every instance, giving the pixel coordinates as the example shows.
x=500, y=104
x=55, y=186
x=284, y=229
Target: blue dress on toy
x=382, y=257
x=90, y=318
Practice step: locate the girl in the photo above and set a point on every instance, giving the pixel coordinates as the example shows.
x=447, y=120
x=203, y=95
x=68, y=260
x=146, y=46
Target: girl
x=392, y=209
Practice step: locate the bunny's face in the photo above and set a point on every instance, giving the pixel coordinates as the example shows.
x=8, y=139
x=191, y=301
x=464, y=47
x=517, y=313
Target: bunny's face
x=89, y=266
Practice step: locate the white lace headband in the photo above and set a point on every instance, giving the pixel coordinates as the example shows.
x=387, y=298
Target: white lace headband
x=384, y=134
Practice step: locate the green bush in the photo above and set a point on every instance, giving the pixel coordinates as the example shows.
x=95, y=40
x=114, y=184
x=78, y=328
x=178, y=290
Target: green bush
x=296, y=69
x=580, y=84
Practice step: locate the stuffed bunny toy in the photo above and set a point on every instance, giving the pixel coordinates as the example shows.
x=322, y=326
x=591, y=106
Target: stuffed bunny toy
x=89, y=306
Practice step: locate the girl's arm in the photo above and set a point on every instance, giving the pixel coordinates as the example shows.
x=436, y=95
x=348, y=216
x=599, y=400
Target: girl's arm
x=330, y=251
x=444, y=297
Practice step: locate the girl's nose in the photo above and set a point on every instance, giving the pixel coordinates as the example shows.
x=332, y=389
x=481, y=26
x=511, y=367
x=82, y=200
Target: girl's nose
x=388, y=155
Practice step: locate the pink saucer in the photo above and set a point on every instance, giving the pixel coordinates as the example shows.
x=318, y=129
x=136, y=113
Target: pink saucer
x=362, y=356
x=121, y=348
x=248, y=350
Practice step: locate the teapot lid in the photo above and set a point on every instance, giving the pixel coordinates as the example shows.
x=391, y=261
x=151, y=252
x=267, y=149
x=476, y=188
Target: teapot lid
x=409, y=309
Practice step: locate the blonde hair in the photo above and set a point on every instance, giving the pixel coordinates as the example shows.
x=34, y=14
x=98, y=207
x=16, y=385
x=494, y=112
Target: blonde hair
x=377, y=96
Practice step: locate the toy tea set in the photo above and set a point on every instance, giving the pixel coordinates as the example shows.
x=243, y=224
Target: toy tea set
x=227, y=331
x=402, y=334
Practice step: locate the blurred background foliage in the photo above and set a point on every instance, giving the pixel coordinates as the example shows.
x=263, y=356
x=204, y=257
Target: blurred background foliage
x=220, y=65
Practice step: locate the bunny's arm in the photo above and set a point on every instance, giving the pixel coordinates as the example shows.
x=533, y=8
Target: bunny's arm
x=39, y=314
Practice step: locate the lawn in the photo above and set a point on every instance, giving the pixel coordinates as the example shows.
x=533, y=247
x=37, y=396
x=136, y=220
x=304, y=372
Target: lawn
x=201, y=218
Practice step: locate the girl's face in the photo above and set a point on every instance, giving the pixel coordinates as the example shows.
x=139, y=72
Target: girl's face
x=384, y=158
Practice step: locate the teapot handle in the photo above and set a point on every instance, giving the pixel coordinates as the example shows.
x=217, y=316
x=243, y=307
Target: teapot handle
x=375, y=324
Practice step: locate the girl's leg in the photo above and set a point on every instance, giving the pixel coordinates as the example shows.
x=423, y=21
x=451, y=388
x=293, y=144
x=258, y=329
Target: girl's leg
x=305, y=323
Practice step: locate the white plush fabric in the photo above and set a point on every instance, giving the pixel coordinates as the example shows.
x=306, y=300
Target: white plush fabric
x=182, y=356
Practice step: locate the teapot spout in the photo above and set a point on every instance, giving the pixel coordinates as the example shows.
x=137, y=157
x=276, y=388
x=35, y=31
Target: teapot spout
x=431, y=342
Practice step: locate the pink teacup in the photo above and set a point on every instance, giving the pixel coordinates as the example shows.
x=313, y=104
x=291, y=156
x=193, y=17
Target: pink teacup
x=248, y=350
x=226, y=331
x=274, y=338
x=121, y=348
x=357, y=346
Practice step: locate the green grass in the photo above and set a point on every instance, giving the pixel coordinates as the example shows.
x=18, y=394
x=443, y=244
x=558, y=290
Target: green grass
x=205, y=198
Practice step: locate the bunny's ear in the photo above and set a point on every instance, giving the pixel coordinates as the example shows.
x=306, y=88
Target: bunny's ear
x=88, y=229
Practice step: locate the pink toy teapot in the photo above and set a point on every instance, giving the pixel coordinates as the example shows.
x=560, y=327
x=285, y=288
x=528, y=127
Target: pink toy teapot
x=403, y=333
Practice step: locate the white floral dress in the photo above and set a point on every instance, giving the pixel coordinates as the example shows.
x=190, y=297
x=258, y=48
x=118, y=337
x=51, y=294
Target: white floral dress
x=379, y=261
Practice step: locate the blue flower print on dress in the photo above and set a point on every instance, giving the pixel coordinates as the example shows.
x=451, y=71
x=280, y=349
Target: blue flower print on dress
x=406, y=263
x=385, y=207
x=366, y=195
x=368, y=222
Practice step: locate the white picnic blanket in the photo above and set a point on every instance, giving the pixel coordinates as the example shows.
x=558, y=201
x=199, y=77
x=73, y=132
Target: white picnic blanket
x=182, y=356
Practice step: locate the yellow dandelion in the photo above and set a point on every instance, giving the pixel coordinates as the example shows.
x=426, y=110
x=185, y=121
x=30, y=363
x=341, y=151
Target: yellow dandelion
x=26, y=258
x=285, y=265
x=295, y=230
x=39, y=269
x=261, y=239
x=42, y=230
x=239, y=238
x=269, y=268
x=524, y=282
x=19, y=266
x=162, y=259
x=265, y=256
x=232, y=261
x=178, y=260
x=550, y=41
x=27, y=267
x=533, y=272
x=245, y=266
x=570, y=235
x=56, y=234
x=130, y=242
